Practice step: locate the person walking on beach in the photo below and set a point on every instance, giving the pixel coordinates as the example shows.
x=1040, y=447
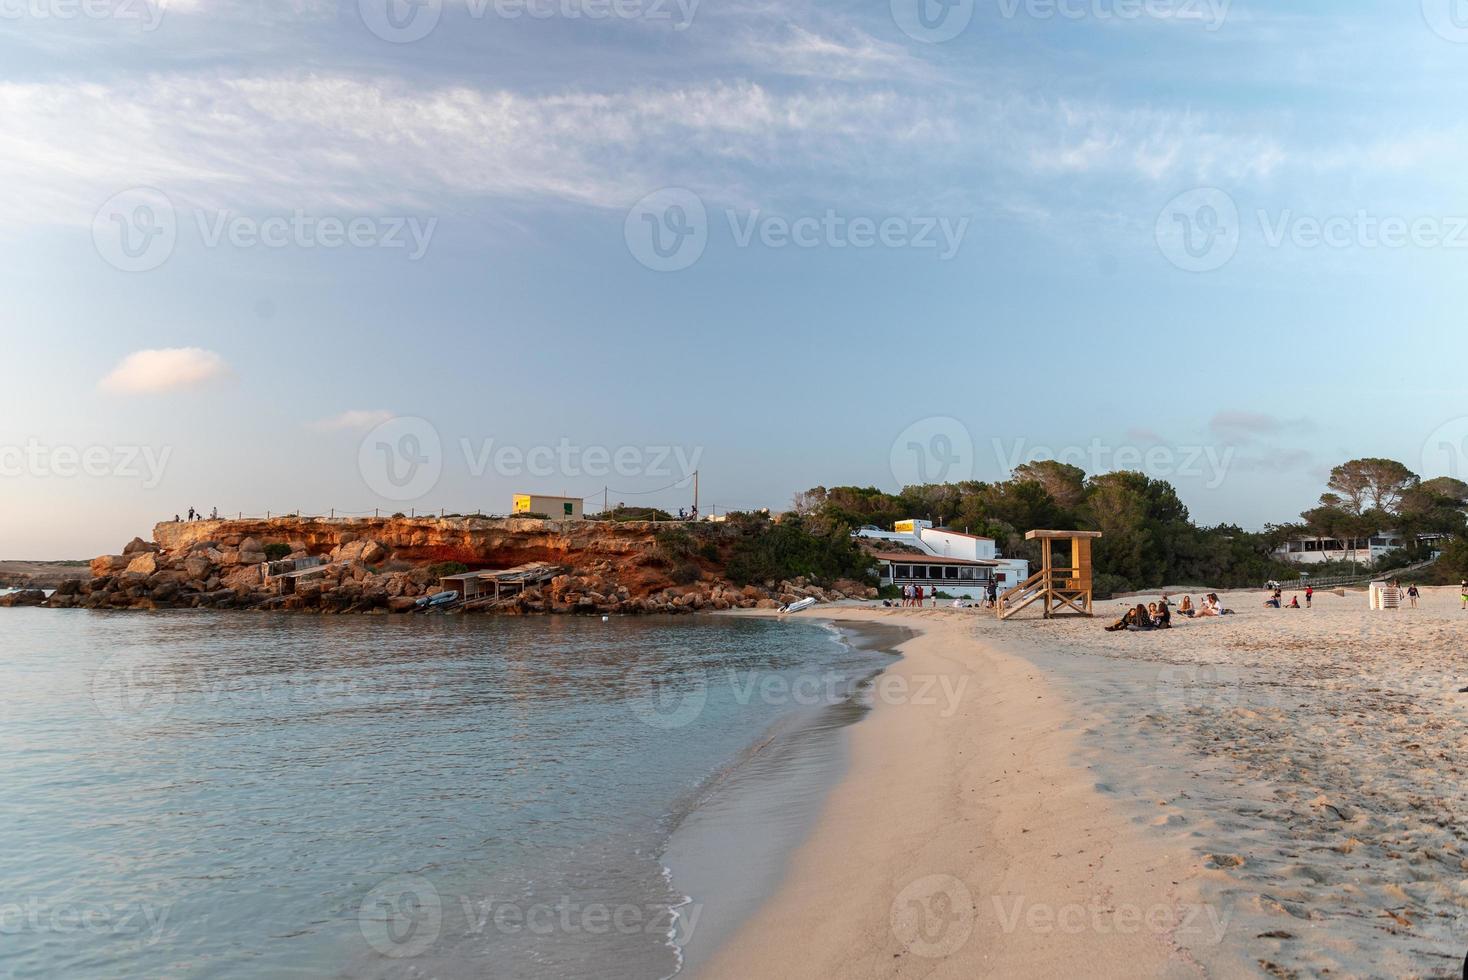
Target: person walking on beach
x=993, y=593
x=917, y=596
x=1309, y=595
x=1412, y=595
x=1463, y=591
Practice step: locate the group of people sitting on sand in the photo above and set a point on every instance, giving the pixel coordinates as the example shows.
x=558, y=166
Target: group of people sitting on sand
x=1158, y=615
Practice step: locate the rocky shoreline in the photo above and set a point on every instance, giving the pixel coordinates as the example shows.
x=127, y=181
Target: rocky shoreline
x=388, y=565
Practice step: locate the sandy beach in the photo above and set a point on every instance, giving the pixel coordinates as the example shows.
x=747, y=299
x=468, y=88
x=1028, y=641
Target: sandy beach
x=1274, y=793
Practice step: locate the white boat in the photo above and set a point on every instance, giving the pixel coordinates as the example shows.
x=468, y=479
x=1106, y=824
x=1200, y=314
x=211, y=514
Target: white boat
x=797, y=606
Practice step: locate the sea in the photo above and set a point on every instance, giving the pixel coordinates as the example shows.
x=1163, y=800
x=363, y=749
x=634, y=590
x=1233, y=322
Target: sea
x=211, y=794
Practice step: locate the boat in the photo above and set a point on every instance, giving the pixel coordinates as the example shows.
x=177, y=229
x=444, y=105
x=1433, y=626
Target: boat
x=437, y=599
x=797, y=606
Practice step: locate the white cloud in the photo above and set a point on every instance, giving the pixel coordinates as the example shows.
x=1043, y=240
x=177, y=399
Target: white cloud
x=354, y=420
x=164, y=369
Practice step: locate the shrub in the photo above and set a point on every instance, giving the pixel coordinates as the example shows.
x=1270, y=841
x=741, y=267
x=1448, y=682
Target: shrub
x=276, y=550
x=685, y=574
x=447, y=568
x=790, y=549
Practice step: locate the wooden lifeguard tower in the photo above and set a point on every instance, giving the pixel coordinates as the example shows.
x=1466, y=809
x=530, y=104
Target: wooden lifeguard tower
x=1059, y=587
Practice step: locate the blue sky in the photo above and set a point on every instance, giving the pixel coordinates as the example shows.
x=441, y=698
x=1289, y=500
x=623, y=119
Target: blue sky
x=1222, y=243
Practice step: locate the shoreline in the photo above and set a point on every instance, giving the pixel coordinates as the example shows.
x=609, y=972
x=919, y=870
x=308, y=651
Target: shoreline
x=727, y=851
x=927, y=875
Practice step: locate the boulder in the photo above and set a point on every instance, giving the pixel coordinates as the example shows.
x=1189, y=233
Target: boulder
x=252, y=546
x=25, y=597
x=144, y=564
x=137, y=546
x=373, y=553
x=109, y=565
x=68, y=587
x=196, y=568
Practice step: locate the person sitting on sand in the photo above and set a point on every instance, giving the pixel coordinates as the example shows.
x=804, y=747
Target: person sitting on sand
x=1217, y=606
x=1162, y=619
x=1273, y=601
x=1294, y=602
x=1135, y=619
x=1186, y=606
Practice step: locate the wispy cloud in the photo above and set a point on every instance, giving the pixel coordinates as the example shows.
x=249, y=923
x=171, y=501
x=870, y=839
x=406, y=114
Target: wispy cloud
x=353, y=420
x=164, y=369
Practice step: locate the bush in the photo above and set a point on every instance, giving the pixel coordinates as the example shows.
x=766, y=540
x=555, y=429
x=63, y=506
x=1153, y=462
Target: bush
x=447, y=568
x=685, y=574
x=790, y=549
x=672, y=546
x=275, y=551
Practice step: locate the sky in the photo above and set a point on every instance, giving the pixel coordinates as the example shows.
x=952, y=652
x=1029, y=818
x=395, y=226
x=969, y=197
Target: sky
x=421, y=255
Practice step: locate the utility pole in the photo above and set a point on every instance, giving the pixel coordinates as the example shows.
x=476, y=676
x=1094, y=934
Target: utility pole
x=603, y=500
x=695, y=491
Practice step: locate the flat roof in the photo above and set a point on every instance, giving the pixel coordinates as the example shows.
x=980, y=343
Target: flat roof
x=1055, y=535
x=909, y=558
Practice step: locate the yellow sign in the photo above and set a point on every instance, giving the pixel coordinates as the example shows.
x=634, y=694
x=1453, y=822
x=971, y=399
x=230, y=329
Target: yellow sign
x=522, y=503
x=905, y=527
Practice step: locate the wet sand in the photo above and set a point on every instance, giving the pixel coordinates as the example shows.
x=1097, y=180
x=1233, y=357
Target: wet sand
x=1275, y=793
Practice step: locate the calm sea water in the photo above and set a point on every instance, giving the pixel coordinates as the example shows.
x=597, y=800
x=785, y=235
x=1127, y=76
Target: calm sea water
x=233, y=795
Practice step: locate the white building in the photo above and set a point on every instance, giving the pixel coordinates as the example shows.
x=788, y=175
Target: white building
x=958, y=564
x=1313, y=551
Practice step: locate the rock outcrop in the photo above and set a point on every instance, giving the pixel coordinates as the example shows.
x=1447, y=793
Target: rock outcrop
x=387, y=564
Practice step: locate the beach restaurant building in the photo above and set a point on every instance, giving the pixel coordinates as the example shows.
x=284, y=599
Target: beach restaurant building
x=1313, y=551
x=955, y=563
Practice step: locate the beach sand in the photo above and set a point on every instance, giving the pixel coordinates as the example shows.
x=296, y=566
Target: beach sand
x=1274, y=793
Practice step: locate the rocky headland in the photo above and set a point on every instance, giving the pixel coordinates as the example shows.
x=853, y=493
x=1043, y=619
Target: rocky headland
x=381, y=565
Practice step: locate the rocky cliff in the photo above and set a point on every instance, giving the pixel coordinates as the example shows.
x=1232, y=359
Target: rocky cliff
x=387, y=564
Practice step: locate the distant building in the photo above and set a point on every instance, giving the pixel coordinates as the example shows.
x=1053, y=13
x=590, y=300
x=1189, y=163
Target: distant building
x=554, y=508
x=956, y=563
x=1368, y=551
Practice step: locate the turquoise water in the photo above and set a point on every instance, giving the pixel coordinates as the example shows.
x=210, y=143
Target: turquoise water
x=232, y=795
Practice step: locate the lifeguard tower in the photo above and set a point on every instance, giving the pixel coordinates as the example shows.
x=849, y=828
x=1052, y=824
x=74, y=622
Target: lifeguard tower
x=1063, y=589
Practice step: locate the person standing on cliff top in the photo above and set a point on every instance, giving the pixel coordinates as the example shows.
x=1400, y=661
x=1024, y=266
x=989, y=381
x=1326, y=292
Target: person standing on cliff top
x=191, y=513
x=214, y=513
